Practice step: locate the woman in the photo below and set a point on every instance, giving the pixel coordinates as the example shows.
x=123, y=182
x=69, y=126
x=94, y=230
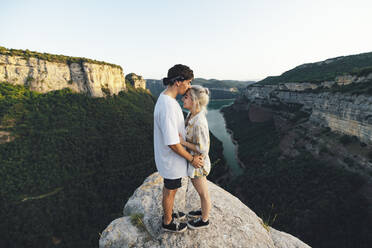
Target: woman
x=197, y=142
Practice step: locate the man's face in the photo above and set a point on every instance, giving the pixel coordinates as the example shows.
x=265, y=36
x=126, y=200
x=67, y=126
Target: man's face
x=184, y=86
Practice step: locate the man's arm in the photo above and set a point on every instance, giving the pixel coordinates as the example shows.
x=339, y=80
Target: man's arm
x=196, y=160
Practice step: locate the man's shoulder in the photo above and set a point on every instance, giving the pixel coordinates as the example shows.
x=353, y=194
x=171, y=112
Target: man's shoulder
x=165, y=106
x=167, y=101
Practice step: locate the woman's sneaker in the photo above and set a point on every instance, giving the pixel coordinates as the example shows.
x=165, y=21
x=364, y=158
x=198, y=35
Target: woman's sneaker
x=179, y=215
x=198, y=223
x=174, y=227
x=194, y=214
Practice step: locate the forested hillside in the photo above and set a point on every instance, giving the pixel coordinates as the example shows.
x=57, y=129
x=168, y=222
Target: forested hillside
x=72, y=162
x=359, y=64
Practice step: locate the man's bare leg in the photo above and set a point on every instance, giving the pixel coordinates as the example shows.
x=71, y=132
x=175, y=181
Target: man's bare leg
x=168, y=202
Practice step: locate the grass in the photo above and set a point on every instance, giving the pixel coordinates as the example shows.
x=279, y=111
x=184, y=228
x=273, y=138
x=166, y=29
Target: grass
x=137, y=220
x=269, y=221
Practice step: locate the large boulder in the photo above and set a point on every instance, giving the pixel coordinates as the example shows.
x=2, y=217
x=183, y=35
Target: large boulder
x=233, y=224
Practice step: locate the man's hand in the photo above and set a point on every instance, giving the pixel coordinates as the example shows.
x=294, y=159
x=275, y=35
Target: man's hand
x=198, y=161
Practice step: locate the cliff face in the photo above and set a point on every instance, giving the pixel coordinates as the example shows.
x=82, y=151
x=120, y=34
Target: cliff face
x=233, y=224
x=340, y=80
x=136, y=80
x=43, y=76
x=345, y=113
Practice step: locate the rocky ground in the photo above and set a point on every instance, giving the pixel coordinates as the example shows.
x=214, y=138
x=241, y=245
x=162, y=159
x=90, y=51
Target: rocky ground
x=233, y=224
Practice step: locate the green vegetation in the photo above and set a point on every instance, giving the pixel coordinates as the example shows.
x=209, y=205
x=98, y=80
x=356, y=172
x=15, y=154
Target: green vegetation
x=364, y=88
x=360, y=64
x=220, y=171
x=345, y=139
x=263, y=134
x=269, y=221
x=51, y=57
x=320, y=204
x=137, y=220
x=73, y=164
x=364, y=71
x=29, y=80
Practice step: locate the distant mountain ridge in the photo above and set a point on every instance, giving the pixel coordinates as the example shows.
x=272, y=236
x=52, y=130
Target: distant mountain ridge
x=358, y=65
x=224, y=84
x=220, y=89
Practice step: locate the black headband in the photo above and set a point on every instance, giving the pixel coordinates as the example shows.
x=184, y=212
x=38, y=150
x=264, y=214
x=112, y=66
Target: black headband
x=178, y=78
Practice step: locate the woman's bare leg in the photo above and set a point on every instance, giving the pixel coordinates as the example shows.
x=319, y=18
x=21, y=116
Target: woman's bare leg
x=201, y=187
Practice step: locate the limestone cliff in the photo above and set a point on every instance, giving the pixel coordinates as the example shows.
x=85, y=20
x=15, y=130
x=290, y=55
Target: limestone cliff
x=42, y=75
x=339, y=80
x=136, y=81
x=345, y=113
x=233, y=224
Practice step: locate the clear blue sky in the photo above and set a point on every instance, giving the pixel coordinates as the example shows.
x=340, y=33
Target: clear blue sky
x=223, y=39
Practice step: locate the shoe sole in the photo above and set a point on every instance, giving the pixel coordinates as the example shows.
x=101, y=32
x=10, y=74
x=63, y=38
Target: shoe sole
x=181, y=218
x=193, y=216
x=196, y=228
x=180, y=231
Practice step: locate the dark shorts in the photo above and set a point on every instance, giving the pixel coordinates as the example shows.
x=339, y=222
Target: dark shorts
x=172, y=183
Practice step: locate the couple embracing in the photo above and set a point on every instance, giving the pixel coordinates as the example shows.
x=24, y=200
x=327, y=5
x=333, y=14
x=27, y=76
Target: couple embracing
x=181, y=146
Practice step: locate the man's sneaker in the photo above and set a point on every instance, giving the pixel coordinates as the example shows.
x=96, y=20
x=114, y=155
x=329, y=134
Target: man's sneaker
x=198, y=223
x=194, y=214
x=174, y=227
x=179, y=215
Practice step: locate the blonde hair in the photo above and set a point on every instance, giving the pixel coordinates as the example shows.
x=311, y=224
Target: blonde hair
x=199, y=97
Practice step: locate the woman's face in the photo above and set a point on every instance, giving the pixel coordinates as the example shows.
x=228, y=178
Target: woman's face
x=187, y=102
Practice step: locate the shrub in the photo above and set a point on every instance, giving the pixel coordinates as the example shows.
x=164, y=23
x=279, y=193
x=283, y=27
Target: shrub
x=349, y=162
x=323, y=149
x=369, y=154
x=345, y=139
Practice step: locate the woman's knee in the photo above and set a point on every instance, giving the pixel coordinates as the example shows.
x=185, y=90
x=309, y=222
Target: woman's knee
x=204, y=195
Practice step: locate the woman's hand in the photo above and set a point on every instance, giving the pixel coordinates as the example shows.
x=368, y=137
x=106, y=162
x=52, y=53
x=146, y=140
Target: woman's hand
x=198, y=161
x=182, y=141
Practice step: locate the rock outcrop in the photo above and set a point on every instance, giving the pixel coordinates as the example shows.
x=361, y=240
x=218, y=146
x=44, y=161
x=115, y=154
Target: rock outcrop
x=340, y=80
x=233, y=224
x=344, y=113
x=136, y=81
x=43, y=76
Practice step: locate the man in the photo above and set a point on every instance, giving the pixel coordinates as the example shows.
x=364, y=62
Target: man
x=170, y=156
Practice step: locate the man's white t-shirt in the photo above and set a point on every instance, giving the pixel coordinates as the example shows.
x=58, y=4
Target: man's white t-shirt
x=168, y=123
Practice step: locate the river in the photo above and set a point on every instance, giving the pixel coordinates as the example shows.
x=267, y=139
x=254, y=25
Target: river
x=216, y=124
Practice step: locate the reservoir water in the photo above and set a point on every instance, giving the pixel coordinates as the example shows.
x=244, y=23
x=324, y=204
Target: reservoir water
x=217, y=126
